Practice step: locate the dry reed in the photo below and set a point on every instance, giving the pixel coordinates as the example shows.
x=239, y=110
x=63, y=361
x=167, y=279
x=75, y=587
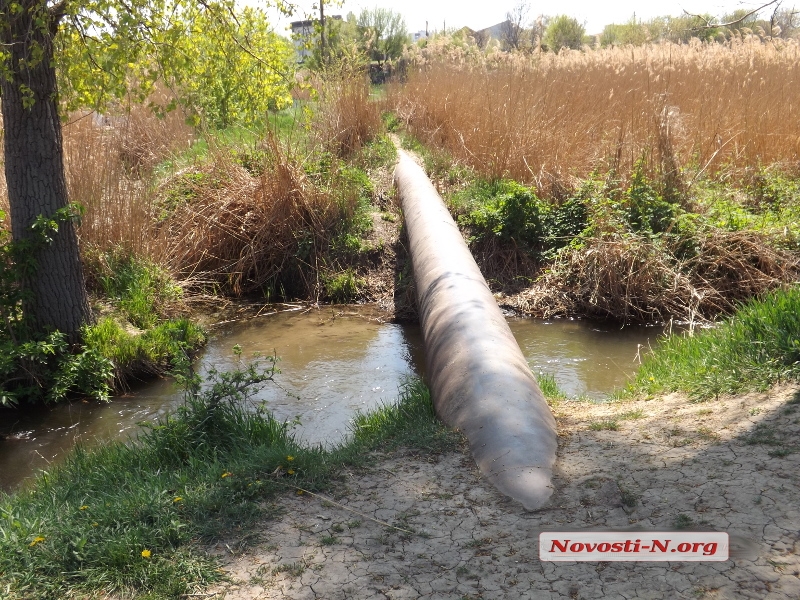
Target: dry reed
x=345, y=119
x=546, y=118
x=241, y=232
x=633, y=279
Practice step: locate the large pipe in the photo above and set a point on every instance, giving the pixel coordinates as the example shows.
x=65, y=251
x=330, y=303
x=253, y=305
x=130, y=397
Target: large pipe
x=480, y=381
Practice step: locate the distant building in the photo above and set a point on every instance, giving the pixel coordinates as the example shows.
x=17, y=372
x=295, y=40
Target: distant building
x=419, y=35
x=495, y=32
x=304, y=35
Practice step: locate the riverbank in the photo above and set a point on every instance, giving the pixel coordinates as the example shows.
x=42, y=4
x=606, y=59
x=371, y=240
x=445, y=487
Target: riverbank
x=416, y=525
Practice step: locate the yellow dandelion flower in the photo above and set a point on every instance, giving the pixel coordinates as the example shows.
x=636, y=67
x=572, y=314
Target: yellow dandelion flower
x=36, y=540
x=290, y=471
x=84, y=507
x=290, y=458
x=145, y=553
x=177, y=499
x=226, y=474
x=94, y=524
x=299, y=492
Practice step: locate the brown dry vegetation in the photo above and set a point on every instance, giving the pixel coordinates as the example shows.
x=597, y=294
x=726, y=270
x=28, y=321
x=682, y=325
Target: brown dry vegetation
x=634, y=279
x=621, y=132
x=233, y=219
x=545, y=118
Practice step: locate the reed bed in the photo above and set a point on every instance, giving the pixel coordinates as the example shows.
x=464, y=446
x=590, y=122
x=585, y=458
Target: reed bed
x=546, y=118
x=109, y=163
x=240, y=217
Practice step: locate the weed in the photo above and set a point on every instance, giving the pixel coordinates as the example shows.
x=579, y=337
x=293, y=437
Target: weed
x=682, y=521
x=294, y=569
x=604, y=425
x=763, y=434
x=629, y=498
x=631, y=415
x=781, y=452
x=549, y=387
x=707, y=434
x=328, y=540
x=342, y=287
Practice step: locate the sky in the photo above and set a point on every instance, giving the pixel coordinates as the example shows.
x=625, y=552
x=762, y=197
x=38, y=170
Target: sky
x=477, y=15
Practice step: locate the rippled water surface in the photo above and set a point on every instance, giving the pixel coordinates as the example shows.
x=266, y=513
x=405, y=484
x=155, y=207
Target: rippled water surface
x=333, y=362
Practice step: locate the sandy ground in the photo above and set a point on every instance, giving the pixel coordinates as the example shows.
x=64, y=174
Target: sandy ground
x=727, y=465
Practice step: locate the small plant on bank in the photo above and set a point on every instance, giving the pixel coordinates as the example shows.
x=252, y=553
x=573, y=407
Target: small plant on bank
x=604, y=425
x=124, y=519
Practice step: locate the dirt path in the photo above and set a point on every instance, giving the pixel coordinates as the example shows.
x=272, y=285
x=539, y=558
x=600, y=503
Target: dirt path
x=728, y=465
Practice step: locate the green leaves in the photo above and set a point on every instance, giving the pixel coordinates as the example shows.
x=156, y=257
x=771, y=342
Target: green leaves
x=223, y=63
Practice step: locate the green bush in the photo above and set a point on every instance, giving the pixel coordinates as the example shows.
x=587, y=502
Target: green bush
x=512, y=214
x=40, y=366
x=140, y=289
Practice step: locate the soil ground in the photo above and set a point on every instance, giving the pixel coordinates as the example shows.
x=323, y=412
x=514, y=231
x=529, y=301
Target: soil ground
x=728, y=465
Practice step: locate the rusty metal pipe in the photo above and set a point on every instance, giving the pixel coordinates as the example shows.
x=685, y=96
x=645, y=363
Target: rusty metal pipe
x=480, y=381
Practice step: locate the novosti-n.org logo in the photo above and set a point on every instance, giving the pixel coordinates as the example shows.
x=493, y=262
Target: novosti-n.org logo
x=633, y=546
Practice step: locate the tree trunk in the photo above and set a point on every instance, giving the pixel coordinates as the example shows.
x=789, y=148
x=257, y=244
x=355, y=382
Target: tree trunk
x=34, y=166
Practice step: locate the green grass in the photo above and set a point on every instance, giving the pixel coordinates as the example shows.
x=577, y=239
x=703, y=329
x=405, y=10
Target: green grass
x=342, y=287
x=549, y=387
x=140, y=289
x=605, y=425
x=756, y=348
x=128, y=519
x=150, y=351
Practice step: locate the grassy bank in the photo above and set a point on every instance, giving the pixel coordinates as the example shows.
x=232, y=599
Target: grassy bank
x=757, y=347
x=129, y=518
x=278, y=210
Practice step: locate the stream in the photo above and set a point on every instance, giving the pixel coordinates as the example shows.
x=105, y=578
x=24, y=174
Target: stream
x=333, y=361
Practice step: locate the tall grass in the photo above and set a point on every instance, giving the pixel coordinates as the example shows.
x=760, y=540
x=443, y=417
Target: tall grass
x=246, y=212
x=546, y=118
x=109, y=163
x=346, y=119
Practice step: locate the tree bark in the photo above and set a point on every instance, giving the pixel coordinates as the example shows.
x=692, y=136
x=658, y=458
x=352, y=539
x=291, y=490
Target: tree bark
x=34, y=166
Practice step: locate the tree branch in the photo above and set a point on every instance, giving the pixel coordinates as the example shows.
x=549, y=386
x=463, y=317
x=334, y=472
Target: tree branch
x=710, y=25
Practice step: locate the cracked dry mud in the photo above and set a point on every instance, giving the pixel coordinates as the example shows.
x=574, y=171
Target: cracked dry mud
x=729, y=465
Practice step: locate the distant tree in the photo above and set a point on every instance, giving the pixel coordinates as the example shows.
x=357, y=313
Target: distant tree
x=633, y=33
x=564, y=32
x=787, y=20
x=512, y=33
x=481, y=38
x=341, y=36
x=382, y=33
x=221, y=81
x=741, y=18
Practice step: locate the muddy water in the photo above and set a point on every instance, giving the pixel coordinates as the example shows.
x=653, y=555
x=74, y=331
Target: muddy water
x=333, y=362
